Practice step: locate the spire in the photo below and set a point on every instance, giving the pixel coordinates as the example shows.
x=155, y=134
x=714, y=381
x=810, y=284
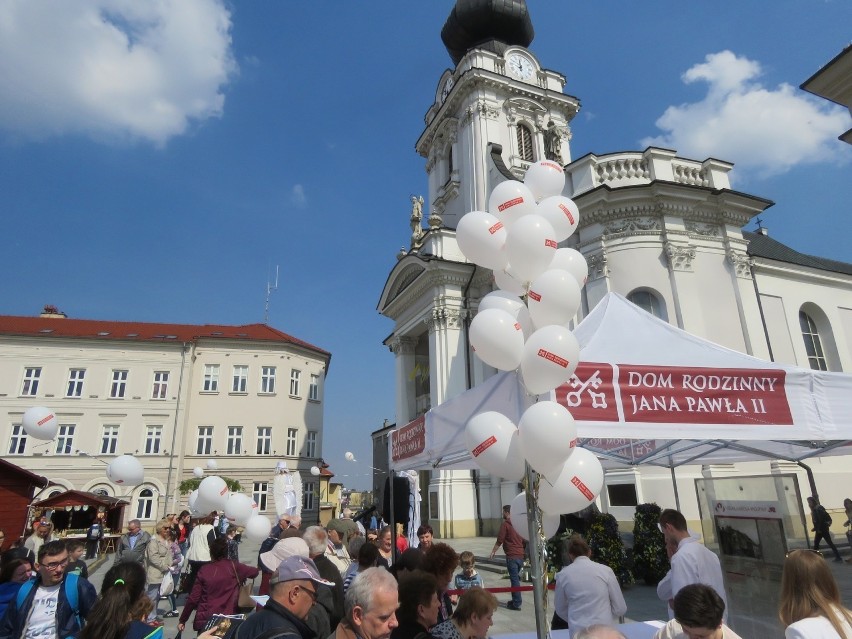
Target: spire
x=487, y=24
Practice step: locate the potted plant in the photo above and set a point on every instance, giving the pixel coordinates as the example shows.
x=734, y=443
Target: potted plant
x=650, y=562
x=608, y=548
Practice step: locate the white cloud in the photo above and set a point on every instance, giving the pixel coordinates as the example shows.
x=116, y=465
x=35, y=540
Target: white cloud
x=112, y=68
x=763, y=131
x=297, y=195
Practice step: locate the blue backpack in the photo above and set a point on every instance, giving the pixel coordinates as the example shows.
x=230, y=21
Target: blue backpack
x=71, y=595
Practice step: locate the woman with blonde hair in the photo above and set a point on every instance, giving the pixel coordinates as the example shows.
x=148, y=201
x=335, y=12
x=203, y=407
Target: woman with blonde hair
x=810, y=599
x=472, y=617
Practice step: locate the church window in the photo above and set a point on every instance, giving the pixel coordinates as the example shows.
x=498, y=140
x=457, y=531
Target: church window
x=649, y=302
x=813, y=343
x=525, y=146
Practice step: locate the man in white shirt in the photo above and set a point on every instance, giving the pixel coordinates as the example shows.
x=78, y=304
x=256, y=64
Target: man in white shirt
x=691, y=563
x=587, y=593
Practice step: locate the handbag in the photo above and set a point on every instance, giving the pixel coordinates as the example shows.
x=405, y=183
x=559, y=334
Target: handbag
x=167, y=585
x=246, y=588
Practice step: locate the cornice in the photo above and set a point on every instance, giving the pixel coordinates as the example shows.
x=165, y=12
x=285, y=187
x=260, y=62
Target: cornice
x=436, y=275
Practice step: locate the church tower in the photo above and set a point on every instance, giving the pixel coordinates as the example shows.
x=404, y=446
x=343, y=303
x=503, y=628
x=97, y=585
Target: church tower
x=494, y=113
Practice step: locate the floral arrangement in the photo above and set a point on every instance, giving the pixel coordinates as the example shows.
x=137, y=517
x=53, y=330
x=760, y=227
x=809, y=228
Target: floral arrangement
x=650, y=562
x=608, y=548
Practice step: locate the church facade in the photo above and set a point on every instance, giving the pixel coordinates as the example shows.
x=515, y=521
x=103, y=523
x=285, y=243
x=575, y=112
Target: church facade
x=662, y=230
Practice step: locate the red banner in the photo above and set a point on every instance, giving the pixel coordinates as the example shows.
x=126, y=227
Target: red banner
x=410, y=440
x=677, y=395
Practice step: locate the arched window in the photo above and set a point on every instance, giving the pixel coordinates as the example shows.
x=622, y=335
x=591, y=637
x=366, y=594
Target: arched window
x=813, y=343
x=103, y=492
x=145, y=504
x=649, y=302
x=525, y=145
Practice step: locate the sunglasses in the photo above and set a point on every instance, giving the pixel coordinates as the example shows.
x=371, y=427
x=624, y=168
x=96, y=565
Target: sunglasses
x=311, y=592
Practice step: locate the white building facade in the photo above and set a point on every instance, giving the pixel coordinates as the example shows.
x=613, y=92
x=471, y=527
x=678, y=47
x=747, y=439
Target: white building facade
x=664, y=231
x=175, y=396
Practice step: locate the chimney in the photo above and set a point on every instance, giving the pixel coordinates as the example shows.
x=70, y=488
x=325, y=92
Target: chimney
x=762, y=230
x=52, y=312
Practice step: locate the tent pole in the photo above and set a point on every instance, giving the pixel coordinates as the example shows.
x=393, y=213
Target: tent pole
x=537, y=556
x=674, y=484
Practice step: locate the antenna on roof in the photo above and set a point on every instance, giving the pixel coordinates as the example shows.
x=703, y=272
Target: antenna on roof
x=270, y=288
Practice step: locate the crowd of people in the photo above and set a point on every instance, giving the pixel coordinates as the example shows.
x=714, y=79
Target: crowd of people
x=340, y=582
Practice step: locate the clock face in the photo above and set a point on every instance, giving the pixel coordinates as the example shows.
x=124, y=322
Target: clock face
x=445, y=91
x=519, y=66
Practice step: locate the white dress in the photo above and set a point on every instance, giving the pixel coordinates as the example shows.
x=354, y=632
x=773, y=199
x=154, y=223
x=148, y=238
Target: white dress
x=816, y=628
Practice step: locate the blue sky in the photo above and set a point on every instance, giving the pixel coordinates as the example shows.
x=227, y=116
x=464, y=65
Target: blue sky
x=157, y=160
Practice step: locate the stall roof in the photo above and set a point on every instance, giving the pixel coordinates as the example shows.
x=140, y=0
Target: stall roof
x=80, y=498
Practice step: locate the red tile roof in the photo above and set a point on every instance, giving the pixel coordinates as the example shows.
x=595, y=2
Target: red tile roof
x=143, y=331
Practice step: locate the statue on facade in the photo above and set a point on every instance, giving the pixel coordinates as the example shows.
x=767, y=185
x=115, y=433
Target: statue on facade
x=416, y=220
x=553, y=142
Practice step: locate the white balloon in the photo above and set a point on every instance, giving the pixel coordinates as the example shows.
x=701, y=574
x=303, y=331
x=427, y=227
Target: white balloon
x=530, y=246
x=482, y=239
x=548, y=436
x=576, y=486
x=553, y=298
x=510, y=201
x=198, y=471
x=315, y=471
x=492, y=439
x=572, y=261
x=126, y=470
x=239, y=508
x=40, y=423
x=212, y=464
x=497, y=339
x=518, y=516
x=192, y=502
x=349, y=456
x=545, y=178
x=213, y=491
x=562, y=213
x=551, y=355
x=257, y=528
x=506, y=281
x=512, y=304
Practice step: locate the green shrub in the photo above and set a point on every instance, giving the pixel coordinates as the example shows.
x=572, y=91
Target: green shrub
x=650, y=562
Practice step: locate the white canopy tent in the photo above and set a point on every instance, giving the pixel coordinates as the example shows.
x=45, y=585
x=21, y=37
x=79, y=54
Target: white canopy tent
x=647, y=392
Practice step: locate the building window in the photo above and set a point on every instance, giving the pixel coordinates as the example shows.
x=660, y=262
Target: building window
x=18, y=442
x=205, y=440
x=313, y=389
x=622, y=495
x=31, y=377
x=813, y=343
x=235, y=440
x=65, y=439
x=145, y=504
x=525, y=146
x=119, y=384
x=295, y=377
x=291, y=442
x=153, y=437
x=267, y=379
x=308, y=496
x=649, y=302
x=109, y=440
x=161, y=385
x=311, y=444
x=75, y=382
x=240, y=379
x=260, y=493
x=103, y=492
x=211, y=378
x=264, y=440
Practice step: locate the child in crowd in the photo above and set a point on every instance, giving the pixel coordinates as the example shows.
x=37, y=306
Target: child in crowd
x=468, y=577
x=76, y=548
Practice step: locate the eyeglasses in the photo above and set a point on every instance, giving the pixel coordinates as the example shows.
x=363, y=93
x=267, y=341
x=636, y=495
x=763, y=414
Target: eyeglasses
x=56, y=565
x=311, y=592
x=816, y=552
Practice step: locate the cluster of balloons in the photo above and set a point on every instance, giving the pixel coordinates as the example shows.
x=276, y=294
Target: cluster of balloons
x=523, y=326
x=518, y=238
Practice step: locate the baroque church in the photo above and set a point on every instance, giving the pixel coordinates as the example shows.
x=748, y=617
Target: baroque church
x=662, y=230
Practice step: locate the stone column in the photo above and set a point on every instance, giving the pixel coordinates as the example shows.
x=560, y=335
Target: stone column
x=403, y=348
